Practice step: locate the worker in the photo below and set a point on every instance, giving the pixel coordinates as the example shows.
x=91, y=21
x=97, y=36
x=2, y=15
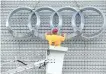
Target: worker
x=53, y=38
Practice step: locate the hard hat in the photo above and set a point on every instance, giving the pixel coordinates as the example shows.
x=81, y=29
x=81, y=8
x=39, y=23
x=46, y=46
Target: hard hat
x=54, y=30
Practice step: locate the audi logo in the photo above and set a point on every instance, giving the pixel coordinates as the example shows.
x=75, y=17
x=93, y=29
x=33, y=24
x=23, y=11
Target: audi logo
x=76, y=30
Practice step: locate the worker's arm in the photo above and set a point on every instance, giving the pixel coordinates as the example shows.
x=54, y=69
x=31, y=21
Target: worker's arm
x=63, y=37
x=47, y=35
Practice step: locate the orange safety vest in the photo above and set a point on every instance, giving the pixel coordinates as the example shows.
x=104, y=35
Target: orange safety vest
x=55, y=40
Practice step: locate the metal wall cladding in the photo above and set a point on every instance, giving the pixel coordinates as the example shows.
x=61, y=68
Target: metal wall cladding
x=85, y=56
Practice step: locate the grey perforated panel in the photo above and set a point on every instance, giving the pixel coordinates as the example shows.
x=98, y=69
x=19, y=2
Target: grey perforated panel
x=83, y=57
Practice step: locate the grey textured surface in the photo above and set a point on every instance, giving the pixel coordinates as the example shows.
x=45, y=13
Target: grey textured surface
x=84, y=56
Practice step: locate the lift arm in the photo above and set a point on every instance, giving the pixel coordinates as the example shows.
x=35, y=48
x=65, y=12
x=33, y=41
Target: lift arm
x=25, y=67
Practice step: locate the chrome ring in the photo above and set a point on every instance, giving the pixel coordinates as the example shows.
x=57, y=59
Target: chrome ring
x=14, y=34
x=38, y=25
x=103, y=25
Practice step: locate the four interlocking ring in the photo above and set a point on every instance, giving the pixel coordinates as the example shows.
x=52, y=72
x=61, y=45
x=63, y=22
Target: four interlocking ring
x=34, y=31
